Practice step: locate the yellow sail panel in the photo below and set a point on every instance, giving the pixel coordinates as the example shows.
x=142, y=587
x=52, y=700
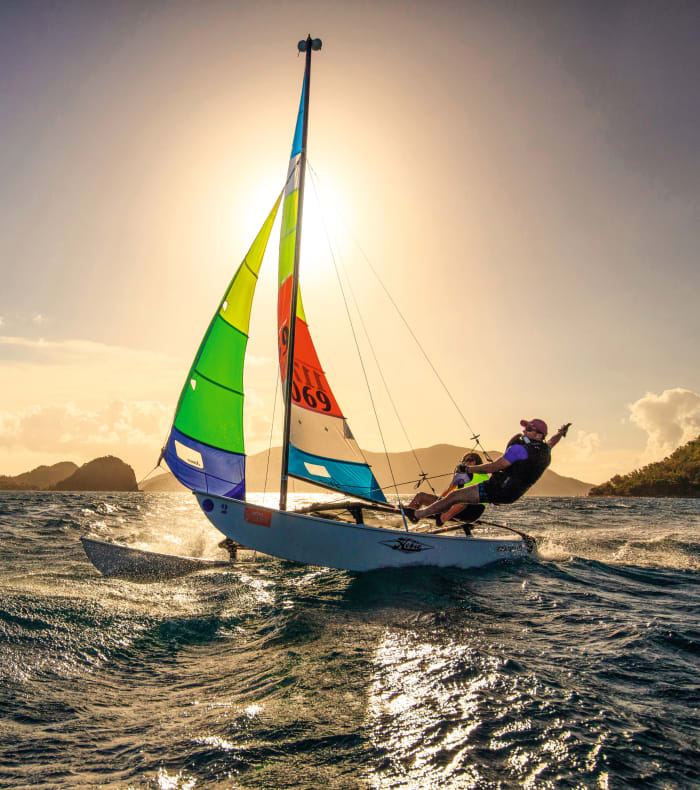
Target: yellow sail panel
x=237, y=302
x=236, y=307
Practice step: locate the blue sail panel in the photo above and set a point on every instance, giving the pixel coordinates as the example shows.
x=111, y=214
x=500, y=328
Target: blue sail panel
x=352, y=478
x=204, y=468
x=299, y=129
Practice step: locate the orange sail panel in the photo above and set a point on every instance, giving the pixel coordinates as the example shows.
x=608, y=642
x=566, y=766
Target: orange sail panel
x=310, y=388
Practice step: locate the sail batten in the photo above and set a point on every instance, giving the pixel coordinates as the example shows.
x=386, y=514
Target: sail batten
x=219, y=384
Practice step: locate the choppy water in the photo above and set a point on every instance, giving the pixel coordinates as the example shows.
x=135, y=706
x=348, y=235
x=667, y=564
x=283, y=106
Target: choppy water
x=577, y=669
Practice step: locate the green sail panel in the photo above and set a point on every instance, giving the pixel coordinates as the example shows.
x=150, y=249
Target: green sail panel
x=221, y=359
x=212, y=414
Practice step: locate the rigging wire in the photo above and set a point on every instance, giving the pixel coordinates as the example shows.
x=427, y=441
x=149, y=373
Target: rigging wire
x=272, y=427
x=474, y=436
x=423, y=475
x=145, y=477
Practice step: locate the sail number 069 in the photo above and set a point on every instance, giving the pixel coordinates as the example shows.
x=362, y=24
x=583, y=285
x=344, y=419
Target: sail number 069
x=313, y=399
x=312, y=396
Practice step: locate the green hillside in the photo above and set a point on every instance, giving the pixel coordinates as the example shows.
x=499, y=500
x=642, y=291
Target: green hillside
x=675, y=476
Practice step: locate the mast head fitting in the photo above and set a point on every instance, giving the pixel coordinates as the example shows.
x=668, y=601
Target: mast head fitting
x=316, y=44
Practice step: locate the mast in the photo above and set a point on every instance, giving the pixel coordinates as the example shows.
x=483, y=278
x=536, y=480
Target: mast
x=304, y=46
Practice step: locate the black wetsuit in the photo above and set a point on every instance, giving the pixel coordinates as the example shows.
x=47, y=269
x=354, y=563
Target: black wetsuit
x=507, y=485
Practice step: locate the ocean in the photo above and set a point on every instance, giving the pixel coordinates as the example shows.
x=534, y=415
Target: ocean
x=577, y=668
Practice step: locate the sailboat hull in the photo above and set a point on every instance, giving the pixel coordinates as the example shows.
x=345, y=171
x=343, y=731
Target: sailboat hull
x=125, y=562
x=352, y=547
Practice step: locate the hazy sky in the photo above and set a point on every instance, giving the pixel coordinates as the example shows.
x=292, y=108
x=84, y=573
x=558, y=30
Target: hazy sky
x=524, y=176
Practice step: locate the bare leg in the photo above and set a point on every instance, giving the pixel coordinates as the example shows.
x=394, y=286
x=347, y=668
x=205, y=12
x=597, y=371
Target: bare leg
x=422, y=499
x=231, y=547
x=465, y=496
x=451, y=513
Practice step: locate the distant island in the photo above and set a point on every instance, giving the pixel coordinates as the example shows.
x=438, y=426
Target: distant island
x=437, y=461
x=40, y=479
x=101, y=474
x=675, y=476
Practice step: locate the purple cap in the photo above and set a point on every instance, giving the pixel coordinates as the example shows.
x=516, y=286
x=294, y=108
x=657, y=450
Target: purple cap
x=537, y=425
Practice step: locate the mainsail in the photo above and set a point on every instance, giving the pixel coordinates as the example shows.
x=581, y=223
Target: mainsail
x=205, y=449
x=322, y=448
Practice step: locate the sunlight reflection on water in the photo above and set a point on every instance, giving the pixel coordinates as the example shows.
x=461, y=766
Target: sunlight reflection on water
x=545, y=674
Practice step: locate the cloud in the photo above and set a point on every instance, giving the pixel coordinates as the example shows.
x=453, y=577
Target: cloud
x=39, y=319
x=61, y=351
x=669, y=419
x=585, y=446
x=44, y=372
x=2, y=321
x=65, y=427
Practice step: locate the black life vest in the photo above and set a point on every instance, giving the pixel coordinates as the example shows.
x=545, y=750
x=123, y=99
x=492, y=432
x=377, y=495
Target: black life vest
x=521, y=475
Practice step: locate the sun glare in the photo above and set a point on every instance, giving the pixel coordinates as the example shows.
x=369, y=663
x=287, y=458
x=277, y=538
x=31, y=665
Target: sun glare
x=325, y=227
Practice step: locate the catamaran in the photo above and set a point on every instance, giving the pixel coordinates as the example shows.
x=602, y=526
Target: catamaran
x=205, y=448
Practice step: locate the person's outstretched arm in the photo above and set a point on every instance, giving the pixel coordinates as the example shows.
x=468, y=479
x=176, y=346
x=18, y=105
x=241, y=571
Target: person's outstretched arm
x=558, y=435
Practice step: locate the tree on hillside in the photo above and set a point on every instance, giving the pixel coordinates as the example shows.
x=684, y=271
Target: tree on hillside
x=678, y=475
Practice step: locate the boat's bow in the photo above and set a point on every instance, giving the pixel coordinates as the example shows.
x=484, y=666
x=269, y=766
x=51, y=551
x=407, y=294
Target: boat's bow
x=125, y=562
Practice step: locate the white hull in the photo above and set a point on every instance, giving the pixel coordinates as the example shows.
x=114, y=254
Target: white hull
x=352, y=547
x=124, y=562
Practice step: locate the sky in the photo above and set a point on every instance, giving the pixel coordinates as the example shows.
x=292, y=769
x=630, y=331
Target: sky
x=523, y=177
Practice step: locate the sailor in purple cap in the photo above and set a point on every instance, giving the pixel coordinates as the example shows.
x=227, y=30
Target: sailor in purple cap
x=526, y=457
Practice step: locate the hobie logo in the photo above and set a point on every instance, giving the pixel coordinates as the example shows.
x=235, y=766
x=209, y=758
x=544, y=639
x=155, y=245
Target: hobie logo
x=406, y=545
x=254, y=516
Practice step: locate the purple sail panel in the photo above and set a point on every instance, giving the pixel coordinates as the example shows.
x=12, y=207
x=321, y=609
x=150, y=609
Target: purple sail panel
x=203, y=468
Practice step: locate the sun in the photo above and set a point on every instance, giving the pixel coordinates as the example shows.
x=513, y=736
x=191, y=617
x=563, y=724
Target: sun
x=325, y=238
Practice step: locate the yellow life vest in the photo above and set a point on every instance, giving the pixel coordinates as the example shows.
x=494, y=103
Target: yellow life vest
x=476, y=479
